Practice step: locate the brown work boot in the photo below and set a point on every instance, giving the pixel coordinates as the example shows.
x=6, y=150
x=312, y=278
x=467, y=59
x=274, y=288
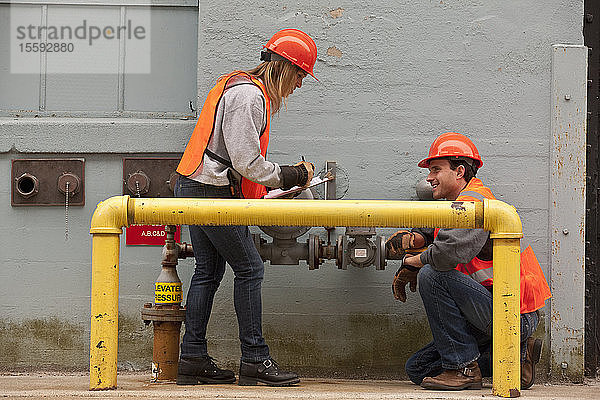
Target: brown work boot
x=534, y=353
x=455, y=379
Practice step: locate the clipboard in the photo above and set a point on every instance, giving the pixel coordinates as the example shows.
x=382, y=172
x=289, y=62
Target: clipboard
x=317, y=180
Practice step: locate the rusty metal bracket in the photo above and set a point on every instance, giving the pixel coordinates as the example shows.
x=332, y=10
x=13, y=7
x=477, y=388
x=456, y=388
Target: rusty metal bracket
x=43, y=182
x=150, y=177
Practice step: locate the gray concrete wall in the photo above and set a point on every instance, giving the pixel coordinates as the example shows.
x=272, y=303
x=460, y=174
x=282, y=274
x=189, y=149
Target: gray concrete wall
x=393, y=75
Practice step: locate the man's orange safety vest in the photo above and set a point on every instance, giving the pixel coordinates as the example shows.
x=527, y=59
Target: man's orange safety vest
x=534, y=287
x=194, y=152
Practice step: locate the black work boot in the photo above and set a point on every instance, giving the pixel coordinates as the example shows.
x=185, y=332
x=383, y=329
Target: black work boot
x=267, y=372
x=200, y=370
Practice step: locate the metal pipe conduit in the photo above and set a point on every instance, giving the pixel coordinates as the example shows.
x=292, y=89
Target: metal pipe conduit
x=495, y=216
x=176, y=211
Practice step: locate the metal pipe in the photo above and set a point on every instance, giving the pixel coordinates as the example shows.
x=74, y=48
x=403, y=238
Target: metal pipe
x=506, y=354
x=493, y=215
x=165, y=350
x=107, y=222
x=505, y=226
x=104, y=328
x=177, y=211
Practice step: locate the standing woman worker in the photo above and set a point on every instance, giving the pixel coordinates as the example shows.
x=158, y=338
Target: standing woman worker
x=225, y=158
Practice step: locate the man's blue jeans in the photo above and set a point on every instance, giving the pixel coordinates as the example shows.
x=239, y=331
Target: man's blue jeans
x=459, y=311
x=213, y=246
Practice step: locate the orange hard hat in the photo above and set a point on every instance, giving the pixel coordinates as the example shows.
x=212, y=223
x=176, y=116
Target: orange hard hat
x=295, y=46
x=452, y=144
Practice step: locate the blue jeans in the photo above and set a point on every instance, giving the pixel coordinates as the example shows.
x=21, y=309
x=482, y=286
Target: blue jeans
x=459, y=311
x=213, y=246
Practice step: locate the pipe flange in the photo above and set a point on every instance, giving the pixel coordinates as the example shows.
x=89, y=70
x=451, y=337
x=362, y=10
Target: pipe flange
x=314, y=243
x=380, y=253
x=27, y=185
x=341, y=248
x=152, y=312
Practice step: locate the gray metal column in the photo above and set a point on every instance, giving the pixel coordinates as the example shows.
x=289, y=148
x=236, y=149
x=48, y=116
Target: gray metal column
x=567, y=210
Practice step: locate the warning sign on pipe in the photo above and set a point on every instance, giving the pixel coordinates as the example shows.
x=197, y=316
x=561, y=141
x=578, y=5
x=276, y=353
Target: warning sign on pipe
x=148, y=235
x=167, y=292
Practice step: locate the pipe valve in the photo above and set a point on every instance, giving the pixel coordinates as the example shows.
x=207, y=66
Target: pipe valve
x=166, y=314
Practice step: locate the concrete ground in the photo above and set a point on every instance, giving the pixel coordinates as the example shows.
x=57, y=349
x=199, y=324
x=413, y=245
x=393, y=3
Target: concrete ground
x=138, y=386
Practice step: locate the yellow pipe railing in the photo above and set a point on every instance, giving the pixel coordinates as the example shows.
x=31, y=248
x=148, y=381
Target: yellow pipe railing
x=492, y=215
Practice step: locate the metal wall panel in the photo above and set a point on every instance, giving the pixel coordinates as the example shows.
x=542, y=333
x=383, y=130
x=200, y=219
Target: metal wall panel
x=17, y=91
x=78, y=92
x=567, y=209
x=171, y=85
x=154, y=3
x=97, y=82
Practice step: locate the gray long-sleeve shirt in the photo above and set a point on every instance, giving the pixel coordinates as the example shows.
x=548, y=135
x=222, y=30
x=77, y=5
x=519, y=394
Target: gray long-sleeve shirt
x=239, y=121
x=454, y=246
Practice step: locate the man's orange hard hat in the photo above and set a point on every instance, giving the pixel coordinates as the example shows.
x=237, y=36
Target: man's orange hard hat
x=295, y=46
x=452, y=144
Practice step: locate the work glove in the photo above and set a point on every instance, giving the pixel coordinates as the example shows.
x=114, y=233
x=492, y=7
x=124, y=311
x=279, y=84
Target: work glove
x=405, y=274
x=398, y=243
x=299, y=174
x=310, y=170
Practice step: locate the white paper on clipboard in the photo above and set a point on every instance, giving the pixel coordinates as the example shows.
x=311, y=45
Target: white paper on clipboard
x=276, y=193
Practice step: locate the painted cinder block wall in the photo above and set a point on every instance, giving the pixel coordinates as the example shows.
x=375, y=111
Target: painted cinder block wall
x=392, y=77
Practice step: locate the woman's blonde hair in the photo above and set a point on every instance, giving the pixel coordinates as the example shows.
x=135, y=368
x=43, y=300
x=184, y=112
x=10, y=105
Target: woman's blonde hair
x=279, y=78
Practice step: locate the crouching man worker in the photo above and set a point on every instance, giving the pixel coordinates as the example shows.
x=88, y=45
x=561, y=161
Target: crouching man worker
x=225, y=158
x=454, y=276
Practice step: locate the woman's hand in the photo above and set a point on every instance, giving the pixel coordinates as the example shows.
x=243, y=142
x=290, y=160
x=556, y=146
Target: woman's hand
x=310, y=169
x=299, y=174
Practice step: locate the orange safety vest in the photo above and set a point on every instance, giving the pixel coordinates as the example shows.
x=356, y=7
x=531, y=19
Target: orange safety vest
x=194, y=152
x=534, y=287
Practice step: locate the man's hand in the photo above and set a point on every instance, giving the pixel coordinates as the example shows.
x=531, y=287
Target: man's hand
x=405, y=274
x=310, y=169
x=397, y=244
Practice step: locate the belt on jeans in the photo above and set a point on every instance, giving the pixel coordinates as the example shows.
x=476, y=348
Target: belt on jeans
x=232, y=188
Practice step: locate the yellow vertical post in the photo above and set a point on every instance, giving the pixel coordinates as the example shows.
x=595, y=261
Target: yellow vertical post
x=506, y=320
x=107, y=222
x=105, y=311
x=505, y=228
